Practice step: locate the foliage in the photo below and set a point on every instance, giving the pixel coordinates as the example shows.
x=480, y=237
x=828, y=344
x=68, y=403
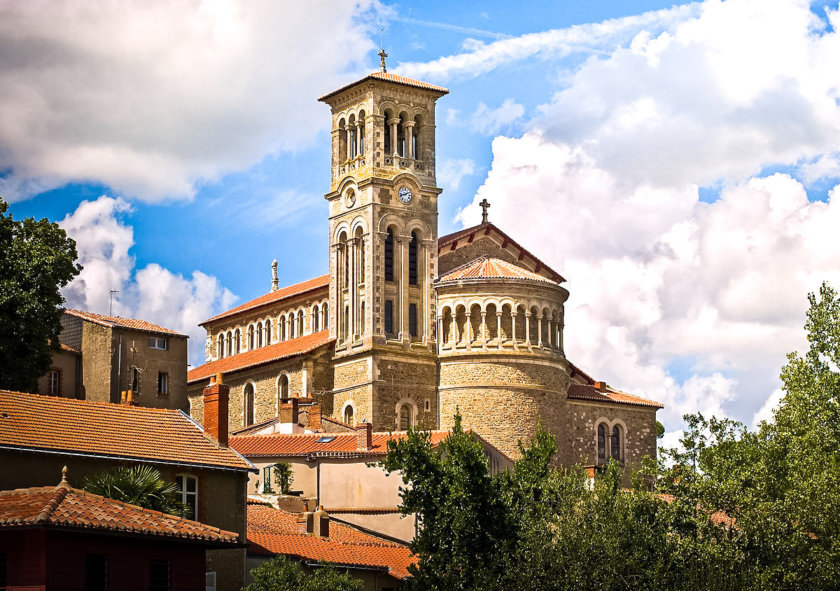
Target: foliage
x=37, y=259
x=282, y=574
x=139, y=485
x=283, y=476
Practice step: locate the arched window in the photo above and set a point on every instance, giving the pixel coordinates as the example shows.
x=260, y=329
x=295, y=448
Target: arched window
x=268, y=332
x=316, y=324
x=281, y=326
x=300, y=323
x=406, y=417
x=291, y=325
x=230, y=343
x=389, y=255
x=220, y=352
x=602, y=442
x=248, y=404
x=283, y=387
x=325, y=318
x=361, y=133
x=237, y=340
x=615, y=443
x=251, y=338
x=362, y=319
x=259, y=334
x=413, y=247
x=348, y=415
x=344, y=253
x=415, y=138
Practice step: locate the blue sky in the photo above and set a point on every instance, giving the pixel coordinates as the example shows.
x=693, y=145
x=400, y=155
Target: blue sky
x=674, y=162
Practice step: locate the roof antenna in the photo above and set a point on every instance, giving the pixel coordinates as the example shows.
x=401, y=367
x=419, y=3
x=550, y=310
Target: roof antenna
x=382, y=55
x=111, y=301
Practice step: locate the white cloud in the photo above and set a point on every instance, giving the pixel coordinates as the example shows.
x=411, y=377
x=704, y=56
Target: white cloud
x=451, y=171
x=765, y=413
x=151, y=98
x=153, y=293
x=489, y=121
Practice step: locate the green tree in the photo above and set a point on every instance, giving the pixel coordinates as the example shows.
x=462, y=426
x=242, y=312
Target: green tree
x=283, y=477
x=139, y=485
x=37, y=259
x=282, y=574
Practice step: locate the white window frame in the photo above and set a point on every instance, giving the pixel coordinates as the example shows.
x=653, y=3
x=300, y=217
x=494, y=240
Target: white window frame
x=159, y=343
x=184, y=494
x=54, y=385
x=163, y=384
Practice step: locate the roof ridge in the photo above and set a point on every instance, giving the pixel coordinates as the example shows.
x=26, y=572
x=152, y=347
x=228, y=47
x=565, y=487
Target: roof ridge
x=54, y=501
x=95, y=403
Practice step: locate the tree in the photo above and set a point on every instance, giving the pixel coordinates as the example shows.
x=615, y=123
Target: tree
x=139, y=485
x=283, y=476
x=37, y=259
x=283, y=574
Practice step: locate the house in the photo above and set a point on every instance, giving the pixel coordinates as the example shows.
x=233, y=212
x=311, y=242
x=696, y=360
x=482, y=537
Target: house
x=381, y=564
x=110, y=358
x=60, y=537
x=41, y=434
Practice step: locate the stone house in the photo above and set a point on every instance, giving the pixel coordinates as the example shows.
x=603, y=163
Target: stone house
x=41, y=434
x=408, y=327
x=103, y=357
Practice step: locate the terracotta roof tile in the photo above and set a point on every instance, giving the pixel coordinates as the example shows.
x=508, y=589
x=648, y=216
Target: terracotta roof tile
x=486, y=267
x=591, y=392
x=467, y=235
x=388, y=77
x=267, y=354
x=64, y=506
x=305, y=444
x=274, y=531
x=118, y=321
x=51, y=423
x=275, y=296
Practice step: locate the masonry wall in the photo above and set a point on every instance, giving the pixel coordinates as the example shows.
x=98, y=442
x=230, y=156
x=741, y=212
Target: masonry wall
x=150, y=362
x=69, y=366
x=98, y=370
x=409, y=378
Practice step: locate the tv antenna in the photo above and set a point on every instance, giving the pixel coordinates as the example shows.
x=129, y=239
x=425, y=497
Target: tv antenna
x=111, y=301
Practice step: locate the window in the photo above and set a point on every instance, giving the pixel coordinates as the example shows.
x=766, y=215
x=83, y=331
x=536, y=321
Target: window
x=300, y=323
x=291, y=325
x=221, y=346
x=427, y=405
x=251, y=338
x=406, y=418
x=325, y=319
x=157, y=343
x=282, y=326
x=159, y=575
x=135, y=379
x=230, y=343
x=348, y=415
x=96, y=572
x=389, y=317
x=325, y=439
x=389, y=256
x=602, y=442
x=55, y=381
x=163, y=383
x=259, y=335
x=413, y=247
x=316, y=324
x=188, y=490
x=283, y=386
x=615, y=443
x=267, y=480
x=412, y=319
x=248, y=404
x=268, y=332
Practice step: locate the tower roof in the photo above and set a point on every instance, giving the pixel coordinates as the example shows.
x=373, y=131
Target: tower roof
x=388, y=77
x=486, y=267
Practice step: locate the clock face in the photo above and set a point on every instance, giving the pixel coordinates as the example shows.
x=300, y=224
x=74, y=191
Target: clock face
x=405, y=194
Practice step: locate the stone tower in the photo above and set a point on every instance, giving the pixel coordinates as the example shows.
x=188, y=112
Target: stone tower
x=383, y=243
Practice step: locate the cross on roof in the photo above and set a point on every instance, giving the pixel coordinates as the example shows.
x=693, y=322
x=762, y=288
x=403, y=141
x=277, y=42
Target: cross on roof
x=382, y=55
x=484, y=205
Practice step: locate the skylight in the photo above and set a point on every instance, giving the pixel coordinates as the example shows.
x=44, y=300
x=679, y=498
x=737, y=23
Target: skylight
x=326, y=439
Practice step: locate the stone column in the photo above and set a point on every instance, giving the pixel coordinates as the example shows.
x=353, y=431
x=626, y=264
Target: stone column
x=393, y=122
x=402, y=309
x=440, y=340
x=527, y=328
x=499, y=329
x=347, y=141
x=351, y=289
x=409, y=136
x=360, y=125
x=513, y=315
x=484, y=329
x=539, y=331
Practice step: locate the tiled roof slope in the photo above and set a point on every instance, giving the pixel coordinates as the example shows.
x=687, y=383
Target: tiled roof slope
x=267, y=354
x=51, y=423
x=591, y=392
x=467, y=235
x=64, y=506
x=272, y=531
x=388, y=77
x=275, y=296
x=118, y=321
x=305, y=444
x=486, y=267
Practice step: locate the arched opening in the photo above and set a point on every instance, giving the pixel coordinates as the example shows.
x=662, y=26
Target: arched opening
x=268, y=332
x=291, y=325
x=446, y=329
x=344, y=262
x=237, y=340
x=492, y=323
x=362, y=318
x=348, y=415
x=460, y=325
x=615, y=443
x=248, y=404
x=388, y=141
x=602, y=442
x=352, y=136
x=389, y=255
x=220, y=346
x=413, y=329
x=475, y=324
x=259, y=334
x=401, y=145
x=342, y=141
x=413, y=249
x=316, y=321
x=325, y=318
x=360, y=257
x=415, y=138
x=406, y=419
x=230, y=343
x=251, y=338
x=361, y=132
x=520, y=323
x=281, y=327
x=282, y=387
x=533, y=325
x=507, y=323
x=300, y=323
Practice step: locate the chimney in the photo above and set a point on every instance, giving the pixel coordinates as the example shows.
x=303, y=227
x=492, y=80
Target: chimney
x=601, y=386
x=364, y=433
x=287, y=410
x=127, y=398
x=315, y=417
x=321, y=523
x=216, y=396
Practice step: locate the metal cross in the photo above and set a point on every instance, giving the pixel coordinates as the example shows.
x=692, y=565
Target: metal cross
x=484, y=205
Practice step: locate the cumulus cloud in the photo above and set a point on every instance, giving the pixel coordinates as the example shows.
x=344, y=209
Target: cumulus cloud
x=489, y=121
x=151, y=98
x=153, y=293
x=451, y=171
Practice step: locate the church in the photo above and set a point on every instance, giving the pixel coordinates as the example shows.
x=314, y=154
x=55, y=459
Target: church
x=409, y=328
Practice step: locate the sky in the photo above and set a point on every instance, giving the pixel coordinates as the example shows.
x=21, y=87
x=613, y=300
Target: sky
x=678, y=164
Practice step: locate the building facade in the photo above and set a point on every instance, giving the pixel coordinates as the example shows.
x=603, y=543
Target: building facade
x=409, y=328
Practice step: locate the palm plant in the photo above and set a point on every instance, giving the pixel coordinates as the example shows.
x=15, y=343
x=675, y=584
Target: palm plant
x=138, y=485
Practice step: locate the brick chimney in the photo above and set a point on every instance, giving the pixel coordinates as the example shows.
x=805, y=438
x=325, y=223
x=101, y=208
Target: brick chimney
x=601, y=386
x=315, y=417
x=364, y=433
x=287, y=410
x=216, y=397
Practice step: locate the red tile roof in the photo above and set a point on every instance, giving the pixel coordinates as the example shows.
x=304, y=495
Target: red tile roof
x=388, y=77
x=267, y=354
x=50, y=423
x=486, y=267
x=591, y=392
x=467, y=235
x=118, y=321
x=305, y=444
x=64, y=506
x=275, y=296
x=272, y=531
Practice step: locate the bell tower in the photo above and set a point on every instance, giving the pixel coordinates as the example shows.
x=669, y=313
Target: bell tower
x=383, y=242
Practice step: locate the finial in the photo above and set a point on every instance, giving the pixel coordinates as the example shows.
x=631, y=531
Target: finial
x=64, y=475
x=275, y=281
x=382, y=55
x=484, y=205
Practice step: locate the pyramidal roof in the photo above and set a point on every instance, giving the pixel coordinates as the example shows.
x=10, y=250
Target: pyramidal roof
x=486, y=267
x=388, y=77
